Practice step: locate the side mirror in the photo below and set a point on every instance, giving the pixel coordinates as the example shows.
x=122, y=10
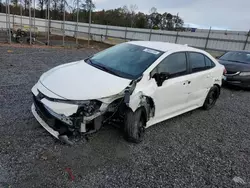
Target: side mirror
x=161, y=77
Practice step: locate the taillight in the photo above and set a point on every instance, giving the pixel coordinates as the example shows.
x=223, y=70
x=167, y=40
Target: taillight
x=224, y=71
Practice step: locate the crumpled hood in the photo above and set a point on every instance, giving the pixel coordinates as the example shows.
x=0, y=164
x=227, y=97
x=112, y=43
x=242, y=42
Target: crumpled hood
x=81, y=81
x=235, y=66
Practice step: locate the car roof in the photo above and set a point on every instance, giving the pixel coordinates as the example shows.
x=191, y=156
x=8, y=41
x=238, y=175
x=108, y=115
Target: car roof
x=242, y=51
x=161, y=46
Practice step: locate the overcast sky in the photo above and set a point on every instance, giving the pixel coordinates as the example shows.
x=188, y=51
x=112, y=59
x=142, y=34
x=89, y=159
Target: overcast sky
x=224, y=14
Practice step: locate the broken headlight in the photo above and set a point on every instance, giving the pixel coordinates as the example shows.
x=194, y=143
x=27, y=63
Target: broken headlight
x=88, y=108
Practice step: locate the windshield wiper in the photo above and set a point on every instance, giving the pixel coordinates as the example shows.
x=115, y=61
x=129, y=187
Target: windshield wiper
x=104, y=68
x=89, y=60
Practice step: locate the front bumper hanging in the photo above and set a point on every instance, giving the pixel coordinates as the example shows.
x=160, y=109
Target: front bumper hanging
x=43, y=123
x=61, y=126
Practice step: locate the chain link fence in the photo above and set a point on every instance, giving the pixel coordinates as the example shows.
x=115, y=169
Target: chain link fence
x=21, y=25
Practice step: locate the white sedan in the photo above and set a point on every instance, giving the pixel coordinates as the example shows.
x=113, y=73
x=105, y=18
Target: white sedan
x=134, y=85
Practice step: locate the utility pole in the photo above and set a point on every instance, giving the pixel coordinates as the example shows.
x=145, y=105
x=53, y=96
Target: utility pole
x=64, y=20
x=177, y=18
x=150, y=30
x=30, y=19
x=248, y=34
x=77, y=19
x=34, y=15
x=6, y=15
x=208, y=37
x=90, y=12
x=9, y=19
x=48, y=21
x=21, y=14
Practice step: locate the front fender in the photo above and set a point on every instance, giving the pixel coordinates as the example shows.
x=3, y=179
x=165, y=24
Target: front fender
x=135, y=100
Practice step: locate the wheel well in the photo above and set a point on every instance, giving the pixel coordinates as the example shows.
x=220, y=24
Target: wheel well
x=146, y=106
x=151, y=102
x=219, y=88
x=143, y=113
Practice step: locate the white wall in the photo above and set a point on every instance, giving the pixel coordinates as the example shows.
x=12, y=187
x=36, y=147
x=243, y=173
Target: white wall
x=218, y=40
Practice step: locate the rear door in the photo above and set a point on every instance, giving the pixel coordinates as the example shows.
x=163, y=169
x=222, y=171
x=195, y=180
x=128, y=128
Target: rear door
x=200, y=78
x=171, y=97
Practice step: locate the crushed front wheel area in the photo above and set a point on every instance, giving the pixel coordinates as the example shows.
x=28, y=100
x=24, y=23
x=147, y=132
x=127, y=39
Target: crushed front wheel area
x=134, y=125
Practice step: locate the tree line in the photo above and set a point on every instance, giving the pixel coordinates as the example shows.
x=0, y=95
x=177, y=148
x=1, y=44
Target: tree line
x=126, y=16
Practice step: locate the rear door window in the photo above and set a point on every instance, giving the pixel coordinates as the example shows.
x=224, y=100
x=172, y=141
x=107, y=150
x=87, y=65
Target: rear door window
x=174, y=64
x=197, y=61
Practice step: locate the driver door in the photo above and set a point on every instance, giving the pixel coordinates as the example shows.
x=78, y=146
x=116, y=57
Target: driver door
x=171, y=97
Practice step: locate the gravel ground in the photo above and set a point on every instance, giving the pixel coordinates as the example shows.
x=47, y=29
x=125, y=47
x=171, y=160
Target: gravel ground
x=197, y=149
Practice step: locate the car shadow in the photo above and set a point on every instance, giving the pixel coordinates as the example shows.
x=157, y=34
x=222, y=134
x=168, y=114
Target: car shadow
x=235, y=88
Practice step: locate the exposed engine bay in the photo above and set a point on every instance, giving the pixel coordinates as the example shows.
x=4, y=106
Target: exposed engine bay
x=90, y=115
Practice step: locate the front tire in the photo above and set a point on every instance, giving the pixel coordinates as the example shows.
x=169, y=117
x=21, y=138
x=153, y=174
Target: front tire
x=211, y=98
x=134, y=126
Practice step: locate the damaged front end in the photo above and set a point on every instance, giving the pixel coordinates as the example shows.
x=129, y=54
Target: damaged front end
x=64, y=118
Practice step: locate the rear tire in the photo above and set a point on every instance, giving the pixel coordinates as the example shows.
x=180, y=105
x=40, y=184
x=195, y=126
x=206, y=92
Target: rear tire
x=211, y=98
x=134, y=126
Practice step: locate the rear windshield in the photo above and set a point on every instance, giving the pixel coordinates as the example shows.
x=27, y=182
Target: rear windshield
x=126, y=60
x=241, y=57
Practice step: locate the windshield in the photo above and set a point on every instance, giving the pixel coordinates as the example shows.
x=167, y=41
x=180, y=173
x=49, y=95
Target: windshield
x=242, y=57
x=125, y=60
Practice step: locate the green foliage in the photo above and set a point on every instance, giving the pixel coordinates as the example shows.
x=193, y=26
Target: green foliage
x=14, y=2
x=141, y=20
x=87, y=5
x=125, y=16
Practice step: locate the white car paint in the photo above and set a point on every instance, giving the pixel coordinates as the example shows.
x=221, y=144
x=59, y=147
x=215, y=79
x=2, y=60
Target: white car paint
x=173, y=98
x=80, y=81
x=59, y=108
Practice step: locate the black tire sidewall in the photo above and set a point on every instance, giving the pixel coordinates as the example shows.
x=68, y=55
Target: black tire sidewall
x=131, y=125
x=206, y=105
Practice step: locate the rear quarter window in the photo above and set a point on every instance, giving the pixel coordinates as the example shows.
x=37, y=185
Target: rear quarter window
x=209, y=62
x=200, y=62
